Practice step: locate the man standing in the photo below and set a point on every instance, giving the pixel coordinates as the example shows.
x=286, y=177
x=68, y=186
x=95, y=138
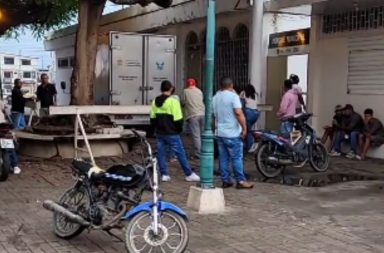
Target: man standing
x=231, y=128
x=194, y=112
x=46, y=94
x=18, y=104
x=288, y=107
x=167, y=119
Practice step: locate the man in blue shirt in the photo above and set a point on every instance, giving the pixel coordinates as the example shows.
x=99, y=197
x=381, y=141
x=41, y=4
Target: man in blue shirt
x=231, y=128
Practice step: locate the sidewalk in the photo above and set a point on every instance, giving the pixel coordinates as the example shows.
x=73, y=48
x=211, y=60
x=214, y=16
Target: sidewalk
x=270, y=218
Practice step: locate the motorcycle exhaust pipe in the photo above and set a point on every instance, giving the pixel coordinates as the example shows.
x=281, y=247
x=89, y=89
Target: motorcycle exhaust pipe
x=275, y=160
x=54, y=207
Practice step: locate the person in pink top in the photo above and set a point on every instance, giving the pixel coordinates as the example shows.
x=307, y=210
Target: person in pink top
x=287, y=107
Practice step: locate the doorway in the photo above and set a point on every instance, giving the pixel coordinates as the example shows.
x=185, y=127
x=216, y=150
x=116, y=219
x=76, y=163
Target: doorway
x=278, y=69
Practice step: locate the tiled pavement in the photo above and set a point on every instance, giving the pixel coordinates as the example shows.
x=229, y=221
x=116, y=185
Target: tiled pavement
x=271, y=218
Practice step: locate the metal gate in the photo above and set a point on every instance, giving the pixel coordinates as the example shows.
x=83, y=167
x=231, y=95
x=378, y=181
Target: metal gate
x=231, y=57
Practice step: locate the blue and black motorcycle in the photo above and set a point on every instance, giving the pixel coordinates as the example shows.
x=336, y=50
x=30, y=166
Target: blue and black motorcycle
x=301, y=147
x=111, y=199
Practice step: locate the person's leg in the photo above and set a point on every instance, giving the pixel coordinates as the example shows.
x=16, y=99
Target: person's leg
x=13, y=158
x=161, y=155
x=178, y=149
x=223, y=160
x=16, y=120
x=354, y=141
x=366, y=147
x=338, y=141
x=235, y=148
x=22, y=124
x=361, y=144
x=194, y=126
x=251, y=117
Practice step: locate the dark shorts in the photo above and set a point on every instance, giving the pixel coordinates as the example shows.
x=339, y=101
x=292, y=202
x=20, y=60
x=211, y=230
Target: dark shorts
x=377, y=140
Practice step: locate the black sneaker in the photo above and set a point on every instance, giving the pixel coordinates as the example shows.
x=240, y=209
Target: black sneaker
x=227, y=185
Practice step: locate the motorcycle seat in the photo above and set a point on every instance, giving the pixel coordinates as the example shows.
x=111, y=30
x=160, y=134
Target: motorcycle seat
x=124, y=174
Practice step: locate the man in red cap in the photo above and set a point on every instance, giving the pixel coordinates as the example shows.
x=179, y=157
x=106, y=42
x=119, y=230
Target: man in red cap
x=194, y=111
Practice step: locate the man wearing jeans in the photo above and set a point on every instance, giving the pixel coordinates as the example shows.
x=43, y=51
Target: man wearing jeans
x=167, y=119
x=194, y=112
x=352, y=127
x=231, y=128
x=18, y=104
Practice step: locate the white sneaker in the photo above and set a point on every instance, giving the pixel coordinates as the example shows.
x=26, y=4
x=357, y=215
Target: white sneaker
x=359, y=158
x=193, y=178
x=334, y=153
x=253, y=148
x=350, y=155
x=165, y=178
x=16, y=170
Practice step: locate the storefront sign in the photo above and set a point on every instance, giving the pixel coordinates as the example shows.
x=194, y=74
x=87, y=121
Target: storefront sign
x=289, y=43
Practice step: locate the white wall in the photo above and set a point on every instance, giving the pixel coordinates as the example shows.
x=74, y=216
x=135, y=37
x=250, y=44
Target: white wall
x=328, y=79
x=63, y=75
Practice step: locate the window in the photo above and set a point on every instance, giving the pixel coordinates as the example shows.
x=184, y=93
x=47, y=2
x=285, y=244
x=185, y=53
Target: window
x=9, y=60
x=366, y=66
x=25, y=62
x=62, y=63
x=354, y=20
x=27, y=74
x=8, y=74
x=72, y=61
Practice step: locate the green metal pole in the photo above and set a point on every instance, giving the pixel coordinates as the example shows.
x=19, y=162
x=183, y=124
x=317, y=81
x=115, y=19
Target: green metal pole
x=207, y=147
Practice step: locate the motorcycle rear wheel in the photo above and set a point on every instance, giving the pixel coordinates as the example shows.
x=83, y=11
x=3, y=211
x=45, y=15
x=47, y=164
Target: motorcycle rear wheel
x=319, y=158
x=267, y=170
x=74, y=198
x=5, y=166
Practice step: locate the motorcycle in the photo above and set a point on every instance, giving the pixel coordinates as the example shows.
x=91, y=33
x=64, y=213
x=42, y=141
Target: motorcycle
x=275, y=151
x=110, y=199
x=6, y=144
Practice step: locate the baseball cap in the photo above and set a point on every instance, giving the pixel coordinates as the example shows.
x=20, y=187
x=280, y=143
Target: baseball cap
x=191, y=82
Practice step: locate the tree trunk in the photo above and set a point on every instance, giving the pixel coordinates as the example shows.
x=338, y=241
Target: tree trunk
x=83, y=75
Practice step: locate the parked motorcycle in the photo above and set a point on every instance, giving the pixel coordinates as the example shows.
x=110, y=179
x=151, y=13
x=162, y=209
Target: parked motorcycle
x=6, y=144
x=105, y=200
x=275, y=151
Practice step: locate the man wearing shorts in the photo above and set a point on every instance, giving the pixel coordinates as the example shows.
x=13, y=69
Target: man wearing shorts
x=373, y=134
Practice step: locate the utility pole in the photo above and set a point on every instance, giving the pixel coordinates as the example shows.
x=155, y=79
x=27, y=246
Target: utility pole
x=205, y=198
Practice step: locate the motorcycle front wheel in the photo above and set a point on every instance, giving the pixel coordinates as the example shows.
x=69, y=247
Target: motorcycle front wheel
x=319, y=158
x=172, y=237
x=266, y=168
x=77, y=201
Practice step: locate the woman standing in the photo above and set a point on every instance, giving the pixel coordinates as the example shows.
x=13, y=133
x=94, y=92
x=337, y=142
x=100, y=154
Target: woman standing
x=249, y=98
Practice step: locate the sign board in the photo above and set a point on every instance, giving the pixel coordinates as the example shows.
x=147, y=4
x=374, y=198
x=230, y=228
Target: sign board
x=289, y=43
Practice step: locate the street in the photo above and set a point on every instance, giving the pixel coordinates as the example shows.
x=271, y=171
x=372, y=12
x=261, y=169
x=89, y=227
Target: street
x=272, y=217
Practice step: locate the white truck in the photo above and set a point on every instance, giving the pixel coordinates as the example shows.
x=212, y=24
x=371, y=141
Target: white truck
x=129, y=71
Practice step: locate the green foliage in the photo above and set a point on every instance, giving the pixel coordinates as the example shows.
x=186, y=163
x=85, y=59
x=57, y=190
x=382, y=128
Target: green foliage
x=38, y=15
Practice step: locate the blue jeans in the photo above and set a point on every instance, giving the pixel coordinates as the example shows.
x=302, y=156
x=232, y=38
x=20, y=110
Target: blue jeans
x=353, y=141
x=286, y=127
x=18, y=120
x=251, y=115
x=176, y=145
x=231, y=149
x=13, y=157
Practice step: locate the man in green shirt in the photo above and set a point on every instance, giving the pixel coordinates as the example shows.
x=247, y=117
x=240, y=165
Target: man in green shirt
x=167, y=119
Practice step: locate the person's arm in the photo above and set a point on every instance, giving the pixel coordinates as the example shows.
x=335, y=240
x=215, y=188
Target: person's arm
x=152, y=115
x=54, y=95
x=283, y=107
x=240, y=116
x=177, y=115
x=374, y=127
x=355, y=121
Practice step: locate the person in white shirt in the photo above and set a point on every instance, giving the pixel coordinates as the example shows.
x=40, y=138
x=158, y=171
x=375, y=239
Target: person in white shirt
x=13, y=156
x=249, y=99
x=295, y=87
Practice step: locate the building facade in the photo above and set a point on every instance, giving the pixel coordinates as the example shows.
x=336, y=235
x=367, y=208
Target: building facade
x=17, y=66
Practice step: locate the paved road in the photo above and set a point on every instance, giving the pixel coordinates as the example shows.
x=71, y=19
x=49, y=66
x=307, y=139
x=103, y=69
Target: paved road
x=274, y=218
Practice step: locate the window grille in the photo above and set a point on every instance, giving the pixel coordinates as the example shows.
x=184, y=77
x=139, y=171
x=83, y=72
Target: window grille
x=358, y=20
